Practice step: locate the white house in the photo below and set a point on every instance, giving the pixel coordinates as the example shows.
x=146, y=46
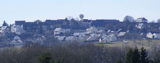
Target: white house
x=149, y=35
x=81, y=36
x=58, y=31
x=93, y=37
x=108, y=38
x=91, y=30
x=103, y=39
x=111, y=38
x=3, y=29
x=121, y=34
x=139, y=26
x=17, y=29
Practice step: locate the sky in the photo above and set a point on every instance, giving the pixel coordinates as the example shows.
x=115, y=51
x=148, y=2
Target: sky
x=31, y=10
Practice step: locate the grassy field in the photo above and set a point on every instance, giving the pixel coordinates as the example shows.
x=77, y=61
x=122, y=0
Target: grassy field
x=134, y=43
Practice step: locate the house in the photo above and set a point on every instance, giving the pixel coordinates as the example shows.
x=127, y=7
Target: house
x=139, y=26
x=93, y=37
x=143, y=20
x=91, y=30
x=16, y=40
x=17, y=29
x=149, y=35
x=71, y=38
x=81, y=36
x=61, y=38
x=108, y=38
x=103, y=39
x=120, y=34
x=3, y=29
x=59, y=31
x=156, y=35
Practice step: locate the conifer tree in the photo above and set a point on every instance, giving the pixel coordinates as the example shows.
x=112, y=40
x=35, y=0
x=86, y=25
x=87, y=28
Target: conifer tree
x=144, y=58
x=129, y=56
x=45, y=58
x=136, y=56
x=133, y=56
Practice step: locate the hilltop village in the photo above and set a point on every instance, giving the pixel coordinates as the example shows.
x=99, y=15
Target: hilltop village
x=80, y=30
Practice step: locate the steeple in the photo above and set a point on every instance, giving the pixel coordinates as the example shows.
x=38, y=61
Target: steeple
x=4, y=23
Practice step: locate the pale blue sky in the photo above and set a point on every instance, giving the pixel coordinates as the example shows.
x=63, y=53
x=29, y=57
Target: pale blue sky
x=30, y=10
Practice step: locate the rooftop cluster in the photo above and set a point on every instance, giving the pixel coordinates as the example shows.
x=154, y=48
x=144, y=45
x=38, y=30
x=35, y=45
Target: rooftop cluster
x=81, y=30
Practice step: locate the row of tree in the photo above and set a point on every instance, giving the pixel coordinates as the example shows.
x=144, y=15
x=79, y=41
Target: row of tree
x=142, y=19
x=136, y=56
x=76, y=53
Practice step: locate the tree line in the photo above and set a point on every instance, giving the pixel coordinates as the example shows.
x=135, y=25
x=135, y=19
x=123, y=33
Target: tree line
x=77, y=53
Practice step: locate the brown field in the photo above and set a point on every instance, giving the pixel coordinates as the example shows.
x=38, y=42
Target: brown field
x=134, y=43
